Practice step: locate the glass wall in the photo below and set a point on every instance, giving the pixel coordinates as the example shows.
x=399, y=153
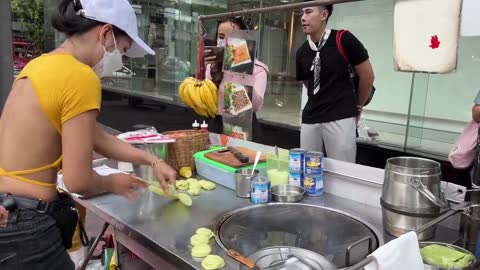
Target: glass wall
x=423, y=112
x=416, y=112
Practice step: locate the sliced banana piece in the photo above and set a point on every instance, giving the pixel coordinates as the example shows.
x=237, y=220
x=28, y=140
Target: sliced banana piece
x=205, y=231
x=185, y=199
x=182, y=185
x=198, y=239
x=194, y=191
x=191, y=180
x=213, y=262
x=201, y=250
x=207, y=185
x=155, y=188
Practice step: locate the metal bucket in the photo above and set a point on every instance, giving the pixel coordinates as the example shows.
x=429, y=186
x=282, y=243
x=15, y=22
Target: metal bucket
x=411, y=195
x=398, y=223
x=157, y=149
x=243, y=179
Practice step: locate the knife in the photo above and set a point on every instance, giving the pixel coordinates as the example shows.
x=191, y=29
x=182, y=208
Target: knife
x=238, y=155
x=243, y=260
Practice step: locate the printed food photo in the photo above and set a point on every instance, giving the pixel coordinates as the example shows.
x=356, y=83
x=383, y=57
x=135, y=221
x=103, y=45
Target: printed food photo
x=239, y=55
x=236, y=99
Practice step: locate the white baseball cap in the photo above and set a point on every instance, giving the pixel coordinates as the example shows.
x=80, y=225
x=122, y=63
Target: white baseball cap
x=120, y=14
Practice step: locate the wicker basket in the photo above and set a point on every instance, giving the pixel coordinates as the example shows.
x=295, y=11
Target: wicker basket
x=188, y=142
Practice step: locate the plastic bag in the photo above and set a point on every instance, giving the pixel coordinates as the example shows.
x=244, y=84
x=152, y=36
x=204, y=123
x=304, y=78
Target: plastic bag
x=365, y=132
x=463, y=151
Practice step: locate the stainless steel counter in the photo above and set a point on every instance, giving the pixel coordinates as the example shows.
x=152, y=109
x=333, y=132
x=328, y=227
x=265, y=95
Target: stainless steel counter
x=161, y=228
x=158, y=230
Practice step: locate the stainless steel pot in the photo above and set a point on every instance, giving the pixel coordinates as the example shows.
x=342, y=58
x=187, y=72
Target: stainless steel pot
x=157, y=149
x=412, y=195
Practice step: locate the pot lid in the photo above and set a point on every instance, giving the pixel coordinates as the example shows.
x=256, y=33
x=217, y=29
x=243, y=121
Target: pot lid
x=324, y=231
x=289, y=258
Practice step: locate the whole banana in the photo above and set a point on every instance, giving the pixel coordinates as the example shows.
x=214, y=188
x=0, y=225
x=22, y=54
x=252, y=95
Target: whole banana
x=201, y=105
x=189, y=89
x=182, y=87
x=213, y=90
x=201, y=96
x=195, y=97
x=209, y=99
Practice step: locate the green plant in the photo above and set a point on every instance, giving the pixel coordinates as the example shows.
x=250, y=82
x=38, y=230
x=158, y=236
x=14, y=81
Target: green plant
x=30, y=14
x=228, y=57
x=228, y=96
x=228, y=130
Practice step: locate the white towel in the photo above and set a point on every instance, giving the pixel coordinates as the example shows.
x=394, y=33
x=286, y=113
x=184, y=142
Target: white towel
x=399, y=254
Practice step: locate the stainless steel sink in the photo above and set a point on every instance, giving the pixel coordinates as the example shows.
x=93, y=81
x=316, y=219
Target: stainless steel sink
x=338, y=236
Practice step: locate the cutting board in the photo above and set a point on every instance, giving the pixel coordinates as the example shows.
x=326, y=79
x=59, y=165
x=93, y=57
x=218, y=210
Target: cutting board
x=228, y=159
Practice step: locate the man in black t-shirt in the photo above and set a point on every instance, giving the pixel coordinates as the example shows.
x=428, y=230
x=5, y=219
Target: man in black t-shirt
x=329, y=118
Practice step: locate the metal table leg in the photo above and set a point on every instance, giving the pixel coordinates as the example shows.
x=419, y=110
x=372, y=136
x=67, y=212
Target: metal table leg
x=94, y=246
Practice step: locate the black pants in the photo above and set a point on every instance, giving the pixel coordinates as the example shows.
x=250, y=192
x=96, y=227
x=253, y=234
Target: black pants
x=215, y=125
x=32, y=240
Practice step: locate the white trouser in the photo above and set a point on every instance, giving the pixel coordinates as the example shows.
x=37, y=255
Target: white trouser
x=336, y=139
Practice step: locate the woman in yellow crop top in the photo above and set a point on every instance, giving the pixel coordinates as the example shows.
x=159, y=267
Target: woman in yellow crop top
x=49, y=120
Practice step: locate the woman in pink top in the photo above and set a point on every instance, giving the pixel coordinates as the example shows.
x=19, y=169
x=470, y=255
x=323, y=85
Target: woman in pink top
x=214, y=73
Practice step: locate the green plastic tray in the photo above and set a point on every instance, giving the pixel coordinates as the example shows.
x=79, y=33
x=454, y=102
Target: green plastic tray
x=201, y=156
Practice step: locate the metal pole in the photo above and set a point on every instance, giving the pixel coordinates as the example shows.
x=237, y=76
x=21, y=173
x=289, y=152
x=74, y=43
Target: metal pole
x=6, y=57
x=280, y=8
x=94, y=246
x=453, y=210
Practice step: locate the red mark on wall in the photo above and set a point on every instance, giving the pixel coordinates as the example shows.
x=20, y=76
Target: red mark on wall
x=434, y=42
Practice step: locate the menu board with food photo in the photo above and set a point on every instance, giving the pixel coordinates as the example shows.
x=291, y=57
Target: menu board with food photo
x=237, y=98
x=239, y=128
x=239, y=53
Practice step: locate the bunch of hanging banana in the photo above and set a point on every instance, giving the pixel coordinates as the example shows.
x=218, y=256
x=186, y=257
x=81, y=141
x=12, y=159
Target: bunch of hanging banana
x=200, y=95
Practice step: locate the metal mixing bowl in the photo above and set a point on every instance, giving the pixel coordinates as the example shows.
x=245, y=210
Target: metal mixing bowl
x=472, y=266
x=287, y=193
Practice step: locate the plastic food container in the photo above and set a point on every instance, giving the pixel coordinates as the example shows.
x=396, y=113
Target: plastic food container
x=221, y=173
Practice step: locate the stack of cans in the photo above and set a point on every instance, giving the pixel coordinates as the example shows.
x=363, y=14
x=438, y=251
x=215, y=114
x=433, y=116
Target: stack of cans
x=296, y=167
x=306, y=170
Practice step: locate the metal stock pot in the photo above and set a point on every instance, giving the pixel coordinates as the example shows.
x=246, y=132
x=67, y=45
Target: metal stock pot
x=412, y=195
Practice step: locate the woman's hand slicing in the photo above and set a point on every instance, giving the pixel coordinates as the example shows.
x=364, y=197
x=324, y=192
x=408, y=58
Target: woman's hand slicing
x=164, y=174
x=125, y=185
